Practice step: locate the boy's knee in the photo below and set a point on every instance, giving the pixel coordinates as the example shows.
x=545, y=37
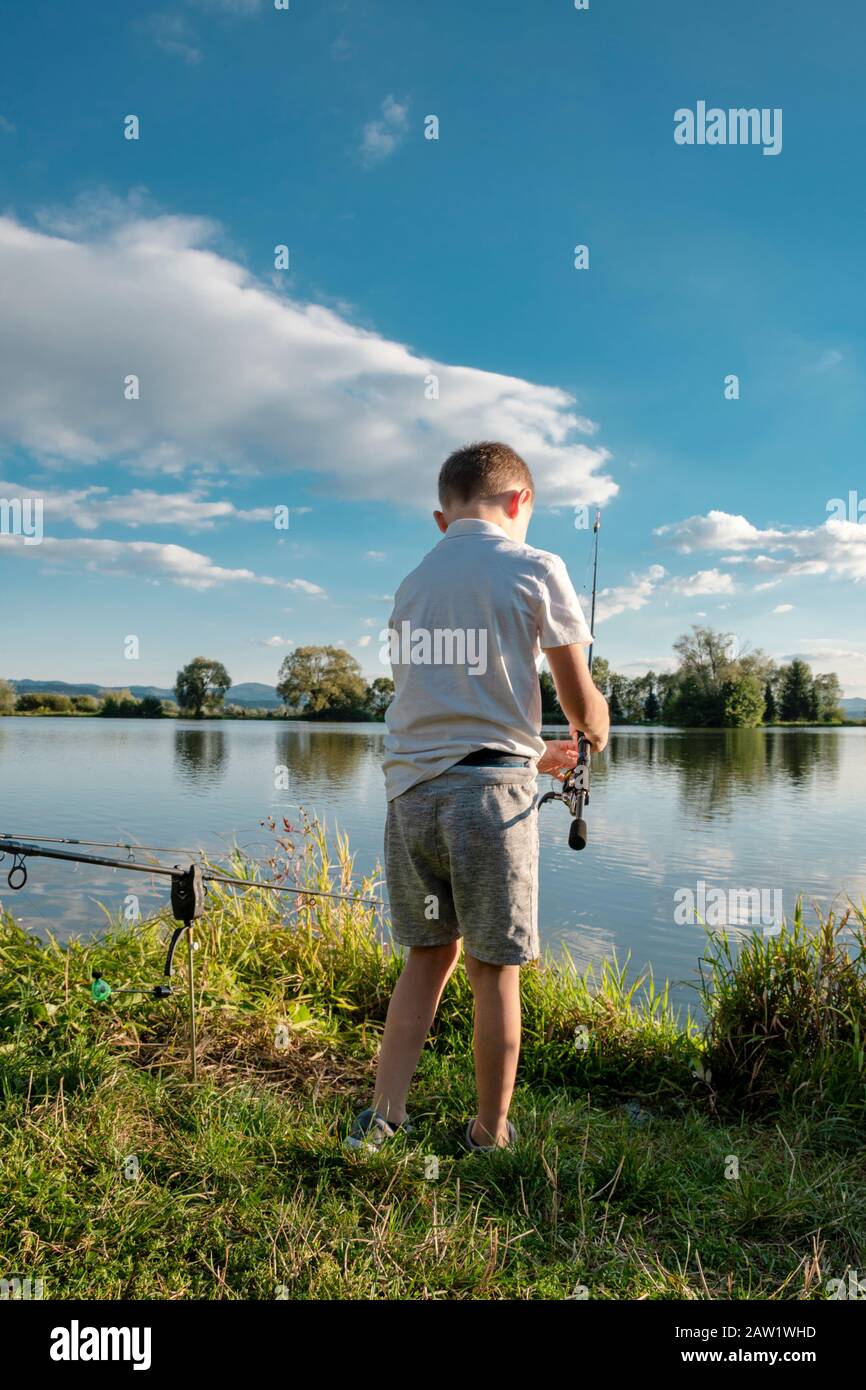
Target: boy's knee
x=477, y=969
x=447, y=953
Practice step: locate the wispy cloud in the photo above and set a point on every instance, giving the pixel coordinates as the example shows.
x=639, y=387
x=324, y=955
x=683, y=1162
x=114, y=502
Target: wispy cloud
x=6, y=126
x=88, y=508
x=172, y=33
x=826, y=362
x=629, y=597
x=305, y=586
x=144, y=559
x=381, y=137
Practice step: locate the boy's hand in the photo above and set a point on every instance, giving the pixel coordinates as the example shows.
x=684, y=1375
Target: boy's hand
x=559, y=757
x=597, y=744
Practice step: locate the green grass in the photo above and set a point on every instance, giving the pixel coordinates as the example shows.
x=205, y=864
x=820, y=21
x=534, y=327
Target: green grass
x=629, y=1119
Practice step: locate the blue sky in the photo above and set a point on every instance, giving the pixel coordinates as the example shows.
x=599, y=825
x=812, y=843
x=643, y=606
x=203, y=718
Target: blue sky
x=412, y=257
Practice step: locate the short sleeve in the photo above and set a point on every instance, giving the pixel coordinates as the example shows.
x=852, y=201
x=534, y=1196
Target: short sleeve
x=561, y=620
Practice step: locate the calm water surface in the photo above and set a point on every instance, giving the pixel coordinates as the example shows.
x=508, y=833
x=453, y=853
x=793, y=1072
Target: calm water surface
x=737, y=809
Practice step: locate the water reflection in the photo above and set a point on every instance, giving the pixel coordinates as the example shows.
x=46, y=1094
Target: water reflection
x=200, y=755
x=317, y=756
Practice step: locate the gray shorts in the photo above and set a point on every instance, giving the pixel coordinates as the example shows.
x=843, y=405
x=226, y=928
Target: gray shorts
x=461, y=859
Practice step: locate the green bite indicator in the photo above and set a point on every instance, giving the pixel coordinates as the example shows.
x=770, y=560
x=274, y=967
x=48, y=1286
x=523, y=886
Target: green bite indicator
x=100, y=989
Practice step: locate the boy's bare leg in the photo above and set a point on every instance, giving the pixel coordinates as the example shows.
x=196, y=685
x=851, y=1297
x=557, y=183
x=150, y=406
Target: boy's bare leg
x=497, y=1045
x=410, y=1016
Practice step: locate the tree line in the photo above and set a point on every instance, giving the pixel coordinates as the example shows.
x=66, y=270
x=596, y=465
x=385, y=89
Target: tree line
x=714, y=686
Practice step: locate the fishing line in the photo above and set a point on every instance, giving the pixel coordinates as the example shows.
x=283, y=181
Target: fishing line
x=103, y=844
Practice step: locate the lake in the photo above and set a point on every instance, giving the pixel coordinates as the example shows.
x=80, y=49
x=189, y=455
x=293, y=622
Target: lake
x=778, y=811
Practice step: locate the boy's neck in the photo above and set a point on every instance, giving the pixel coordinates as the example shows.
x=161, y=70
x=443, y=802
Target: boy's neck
x=515, y=529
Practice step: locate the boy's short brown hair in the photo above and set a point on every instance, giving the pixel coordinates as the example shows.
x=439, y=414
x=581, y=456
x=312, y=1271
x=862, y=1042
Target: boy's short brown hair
x=486, y=469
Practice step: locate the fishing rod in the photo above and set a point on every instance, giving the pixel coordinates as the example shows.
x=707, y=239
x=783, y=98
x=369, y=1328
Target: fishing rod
x=21, y=851
x=188, y=890
x=103, y=844
x=575, y=785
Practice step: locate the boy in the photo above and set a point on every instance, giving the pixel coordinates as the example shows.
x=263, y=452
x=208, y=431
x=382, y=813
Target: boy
x=462, y=752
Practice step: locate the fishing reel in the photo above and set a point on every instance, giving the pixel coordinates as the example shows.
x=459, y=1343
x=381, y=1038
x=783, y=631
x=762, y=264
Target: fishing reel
x=575, y=795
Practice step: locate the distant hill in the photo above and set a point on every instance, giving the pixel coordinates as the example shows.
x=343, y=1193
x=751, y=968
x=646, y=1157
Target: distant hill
x=249, y=694
x=854, y=708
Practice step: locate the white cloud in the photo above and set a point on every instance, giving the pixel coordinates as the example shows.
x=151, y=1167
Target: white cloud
x=704, y=582
x=305, y=586
x=237, y=379
x=374, y=554
x=826, y=362
x=836, y=548
x=172, y=34
x=628, y=597
x=364, y=641
x=784, y=608
x=146, y=559
x=6, y=126
x=381, y=137
x=275, y=642
x=89, y=508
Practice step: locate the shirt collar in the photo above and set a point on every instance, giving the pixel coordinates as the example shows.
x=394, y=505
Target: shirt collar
x=474, y=526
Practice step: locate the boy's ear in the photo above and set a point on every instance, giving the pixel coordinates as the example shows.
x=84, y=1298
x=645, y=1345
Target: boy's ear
x=520, y=497
x=439, y=518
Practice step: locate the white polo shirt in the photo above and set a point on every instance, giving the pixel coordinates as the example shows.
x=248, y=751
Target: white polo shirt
x=465, y=639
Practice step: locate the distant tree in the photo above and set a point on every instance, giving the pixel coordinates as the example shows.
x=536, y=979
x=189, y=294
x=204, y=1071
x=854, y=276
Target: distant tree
x=380, y=695
x=616, y=699
x=796, y=692
x=652, y=708
x=33, y=700
x=705, y=655
x=120, y=704
x=7, y=698
x=742, y=703
x=315, y=679
x=550, y=708
x=770, y=711
x=601, y=674
x=666, y=686
x=85, y=704
x=201, y=685
x=828, y=698
x=694, y=702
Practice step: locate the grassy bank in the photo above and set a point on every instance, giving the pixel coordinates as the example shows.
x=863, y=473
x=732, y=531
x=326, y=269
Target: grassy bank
x=632, y=1123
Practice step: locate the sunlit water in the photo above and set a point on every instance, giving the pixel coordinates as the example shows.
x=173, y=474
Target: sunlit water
x=779, y=810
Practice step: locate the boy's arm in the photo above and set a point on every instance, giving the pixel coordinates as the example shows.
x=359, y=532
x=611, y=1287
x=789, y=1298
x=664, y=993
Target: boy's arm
x=583, y=705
